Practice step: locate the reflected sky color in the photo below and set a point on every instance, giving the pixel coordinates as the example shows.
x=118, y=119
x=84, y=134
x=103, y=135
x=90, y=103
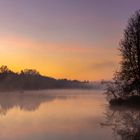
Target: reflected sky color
x=70, y=114
x=76, y=39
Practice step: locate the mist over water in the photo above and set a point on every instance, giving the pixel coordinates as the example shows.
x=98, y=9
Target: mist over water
x=54, y=115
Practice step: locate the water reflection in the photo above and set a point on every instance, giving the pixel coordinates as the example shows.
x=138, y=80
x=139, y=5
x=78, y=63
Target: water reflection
x=29, y=101
x=125, y=122
x=52, y=115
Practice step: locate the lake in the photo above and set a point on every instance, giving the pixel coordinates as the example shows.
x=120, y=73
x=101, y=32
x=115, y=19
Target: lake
x=64, y=115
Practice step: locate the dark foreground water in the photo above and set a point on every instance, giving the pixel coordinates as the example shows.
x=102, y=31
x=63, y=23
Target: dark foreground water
x=64, y=115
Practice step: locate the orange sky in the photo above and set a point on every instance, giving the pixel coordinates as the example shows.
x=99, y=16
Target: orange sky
x=76, y=61
x=63, y=38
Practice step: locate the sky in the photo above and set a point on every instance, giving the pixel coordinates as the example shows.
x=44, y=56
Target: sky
x=74, y=39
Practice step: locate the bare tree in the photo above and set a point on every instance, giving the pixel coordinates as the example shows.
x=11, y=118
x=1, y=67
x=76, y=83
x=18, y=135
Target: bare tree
x=127, y=80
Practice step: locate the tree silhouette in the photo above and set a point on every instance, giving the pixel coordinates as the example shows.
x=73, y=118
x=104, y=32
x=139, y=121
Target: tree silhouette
x=4, y=69
x=126, y=82
x=130, y=50
x=30, y=79
x=29, y=72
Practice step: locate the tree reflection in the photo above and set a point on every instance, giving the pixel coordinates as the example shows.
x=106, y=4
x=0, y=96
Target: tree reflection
x=125, y=123
x=24, y=101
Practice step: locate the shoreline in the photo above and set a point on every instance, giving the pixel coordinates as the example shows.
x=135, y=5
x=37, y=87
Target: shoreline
x=131, y=101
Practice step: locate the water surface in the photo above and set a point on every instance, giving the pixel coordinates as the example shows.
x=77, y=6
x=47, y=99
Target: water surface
x=56, y=115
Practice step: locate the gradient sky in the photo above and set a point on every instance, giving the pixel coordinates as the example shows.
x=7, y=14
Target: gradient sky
x=75, y=39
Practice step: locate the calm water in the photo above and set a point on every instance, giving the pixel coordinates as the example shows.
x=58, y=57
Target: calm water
x=62, y=115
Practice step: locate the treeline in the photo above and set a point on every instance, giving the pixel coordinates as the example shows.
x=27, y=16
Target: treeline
x=30, y=79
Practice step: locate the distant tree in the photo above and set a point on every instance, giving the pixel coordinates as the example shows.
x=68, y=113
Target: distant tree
x=4, y=69
x=5, y=72
x=30, y=79
x=126, y=82
x=30, y=72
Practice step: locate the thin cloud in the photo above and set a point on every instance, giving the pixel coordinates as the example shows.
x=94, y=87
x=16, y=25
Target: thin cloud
x=104, y=65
